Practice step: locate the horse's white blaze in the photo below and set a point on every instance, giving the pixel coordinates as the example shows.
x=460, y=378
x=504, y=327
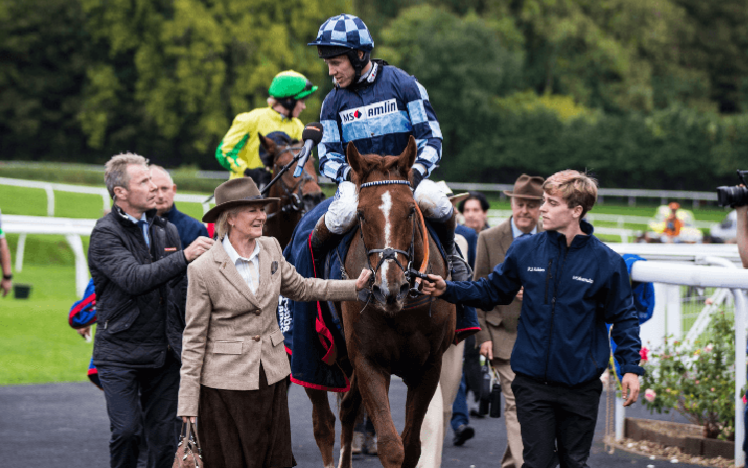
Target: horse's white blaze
x=386, y=207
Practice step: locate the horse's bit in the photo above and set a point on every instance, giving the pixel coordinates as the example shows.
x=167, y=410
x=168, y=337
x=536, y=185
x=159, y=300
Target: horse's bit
x=389, y=253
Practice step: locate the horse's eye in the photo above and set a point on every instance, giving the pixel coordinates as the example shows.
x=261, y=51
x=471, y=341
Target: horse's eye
x=412, y=212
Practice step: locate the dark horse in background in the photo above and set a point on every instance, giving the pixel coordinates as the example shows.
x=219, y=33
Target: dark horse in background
x=297, y=196
x=391, y=333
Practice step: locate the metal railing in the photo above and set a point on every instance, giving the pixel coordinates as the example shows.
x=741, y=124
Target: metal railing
x=51, y=188
x=671, y=267
x=631, y=195
x=72, y=229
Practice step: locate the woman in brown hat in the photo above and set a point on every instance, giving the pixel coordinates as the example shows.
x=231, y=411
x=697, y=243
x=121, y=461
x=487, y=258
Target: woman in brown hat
x=234, y=362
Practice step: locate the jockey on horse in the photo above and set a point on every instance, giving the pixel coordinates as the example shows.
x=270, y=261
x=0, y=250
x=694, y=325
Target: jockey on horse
x=377, y=107
x=240, y=151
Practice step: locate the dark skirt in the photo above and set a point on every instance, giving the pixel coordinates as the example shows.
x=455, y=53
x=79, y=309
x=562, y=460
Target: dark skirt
x=246, y=428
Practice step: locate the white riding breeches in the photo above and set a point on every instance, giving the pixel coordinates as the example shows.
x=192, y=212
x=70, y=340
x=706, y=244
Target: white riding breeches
x=342, y=213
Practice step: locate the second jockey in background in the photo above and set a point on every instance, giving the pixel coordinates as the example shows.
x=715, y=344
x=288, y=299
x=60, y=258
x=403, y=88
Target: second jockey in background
x=377, y=107
x=240, y=151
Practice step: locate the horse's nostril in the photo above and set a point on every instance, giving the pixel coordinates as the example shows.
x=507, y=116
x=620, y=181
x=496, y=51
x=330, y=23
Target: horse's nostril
x=379, y=295
x=404, y=289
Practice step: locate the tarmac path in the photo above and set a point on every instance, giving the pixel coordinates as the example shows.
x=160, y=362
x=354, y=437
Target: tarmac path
x=66, y=424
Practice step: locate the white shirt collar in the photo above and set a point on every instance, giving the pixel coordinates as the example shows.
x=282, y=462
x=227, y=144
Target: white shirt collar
x=516, y=231
x=234, y=256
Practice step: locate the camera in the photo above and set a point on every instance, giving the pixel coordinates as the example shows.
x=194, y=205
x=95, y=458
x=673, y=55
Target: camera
x=733, y=196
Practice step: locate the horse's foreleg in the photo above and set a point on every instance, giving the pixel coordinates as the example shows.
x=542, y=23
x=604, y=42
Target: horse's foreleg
x=420, y=393
x=374, y=384
x=324, y=425
x=350, y=406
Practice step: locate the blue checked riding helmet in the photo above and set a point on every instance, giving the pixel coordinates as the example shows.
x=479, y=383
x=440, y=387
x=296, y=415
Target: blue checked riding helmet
x=345, y=35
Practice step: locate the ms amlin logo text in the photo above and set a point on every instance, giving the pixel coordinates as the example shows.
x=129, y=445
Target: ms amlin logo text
x=377, y=109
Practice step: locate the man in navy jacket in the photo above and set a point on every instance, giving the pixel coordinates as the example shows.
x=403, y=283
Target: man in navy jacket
x=188, y=227
x=574, y=285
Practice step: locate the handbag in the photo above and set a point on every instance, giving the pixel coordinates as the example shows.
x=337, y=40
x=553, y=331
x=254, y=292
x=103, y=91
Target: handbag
x=189, y=454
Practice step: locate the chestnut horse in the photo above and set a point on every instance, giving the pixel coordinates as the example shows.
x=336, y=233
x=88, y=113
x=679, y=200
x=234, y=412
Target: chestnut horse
x=297, y=196
x=391, y=333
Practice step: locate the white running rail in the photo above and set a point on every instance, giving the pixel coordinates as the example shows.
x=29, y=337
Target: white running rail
x=673, y=266
x=72, y=229
x=50, y=189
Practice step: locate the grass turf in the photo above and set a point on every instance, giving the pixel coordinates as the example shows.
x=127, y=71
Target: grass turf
x=36, y=343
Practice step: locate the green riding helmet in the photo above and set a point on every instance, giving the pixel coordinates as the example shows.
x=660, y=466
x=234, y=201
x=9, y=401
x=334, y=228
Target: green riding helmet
x=290, y=86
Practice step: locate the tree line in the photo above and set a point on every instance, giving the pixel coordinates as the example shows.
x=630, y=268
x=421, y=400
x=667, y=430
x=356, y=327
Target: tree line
x=643, y=93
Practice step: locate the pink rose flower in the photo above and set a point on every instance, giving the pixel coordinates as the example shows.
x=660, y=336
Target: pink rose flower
x=709, y=348
x=649, y=395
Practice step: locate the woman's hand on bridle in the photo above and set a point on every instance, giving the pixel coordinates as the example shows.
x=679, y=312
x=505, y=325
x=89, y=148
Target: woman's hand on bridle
x=435, y=286
x=363, y=279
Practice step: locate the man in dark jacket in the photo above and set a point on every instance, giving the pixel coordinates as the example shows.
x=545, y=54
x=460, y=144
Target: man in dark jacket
x=137, y=264
x=574, y=285
x=188, y=227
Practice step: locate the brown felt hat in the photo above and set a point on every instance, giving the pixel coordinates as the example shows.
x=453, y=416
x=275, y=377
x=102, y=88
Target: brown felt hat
x=236, y=192
x=530, y=187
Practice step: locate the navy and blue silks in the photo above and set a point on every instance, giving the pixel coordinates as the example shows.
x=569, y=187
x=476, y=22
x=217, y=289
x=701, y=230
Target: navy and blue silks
x=644, y=302
x=379, y=119
x=312, y=331
x=570, y=294
x=83, y=314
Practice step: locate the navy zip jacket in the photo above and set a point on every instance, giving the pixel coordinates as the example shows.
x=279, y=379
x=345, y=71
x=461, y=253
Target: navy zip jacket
x=570, y=294
x=188, y=227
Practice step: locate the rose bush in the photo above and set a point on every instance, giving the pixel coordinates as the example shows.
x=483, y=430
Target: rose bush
x=696, y=380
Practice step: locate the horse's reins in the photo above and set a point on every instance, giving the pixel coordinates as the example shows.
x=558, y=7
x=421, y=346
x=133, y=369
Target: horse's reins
x=391, y=254
x=295, y=203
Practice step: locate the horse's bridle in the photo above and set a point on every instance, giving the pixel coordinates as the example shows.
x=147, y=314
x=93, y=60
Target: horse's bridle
x=413, y=276
x=294, y=193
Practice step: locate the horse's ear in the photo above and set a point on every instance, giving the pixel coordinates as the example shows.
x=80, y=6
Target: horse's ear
x=408, y=157
x=267, y=143
x=354, y=158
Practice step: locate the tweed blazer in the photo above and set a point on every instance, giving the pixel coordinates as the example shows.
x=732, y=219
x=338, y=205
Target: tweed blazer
x=500, y=323
x=230, y=331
